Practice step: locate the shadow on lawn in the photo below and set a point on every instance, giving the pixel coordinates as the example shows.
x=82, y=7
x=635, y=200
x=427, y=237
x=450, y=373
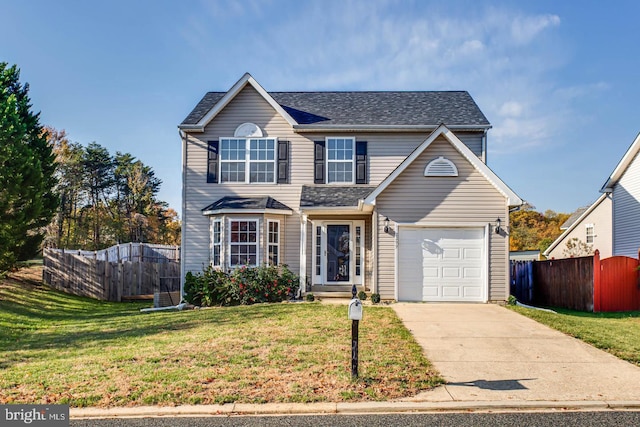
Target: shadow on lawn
x=45, y=319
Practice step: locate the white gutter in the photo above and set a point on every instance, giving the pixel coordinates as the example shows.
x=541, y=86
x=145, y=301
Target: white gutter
x=385, y=128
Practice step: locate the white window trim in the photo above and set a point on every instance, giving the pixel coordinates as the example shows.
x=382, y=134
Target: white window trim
x=327, y=161
x=322, y=279
x=269, y=244
x=248, y=161
x=220, y=244
x=229, y=243
x=586, y=233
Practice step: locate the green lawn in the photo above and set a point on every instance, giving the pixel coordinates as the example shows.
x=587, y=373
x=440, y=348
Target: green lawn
x=56, y=348
x=617, y=333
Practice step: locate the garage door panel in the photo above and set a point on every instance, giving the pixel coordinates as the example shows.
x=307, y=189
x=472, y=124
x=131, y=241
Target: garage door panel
x=451, y=291
x=472, y=253
x=451, y=273
x=441, y=264
x=451, y=254
x=472, y=273
x=431, y=272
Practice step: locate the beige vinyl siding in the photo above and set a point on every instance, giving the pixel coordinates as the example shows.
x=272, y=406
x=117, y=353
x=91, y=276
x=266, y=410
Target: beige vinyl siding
x=467, y=200
x=247, y=106
x=601, y=219
x=626, y=211
x=384, y=151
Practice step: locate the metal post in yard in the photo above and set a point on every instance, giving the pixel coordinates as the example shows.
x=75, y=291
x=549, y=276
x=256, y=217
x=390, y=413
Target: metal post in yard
x=354, y=342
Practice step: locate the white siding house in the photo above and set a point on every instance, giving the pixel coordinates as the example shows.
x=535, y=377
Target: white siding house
x=624, y=187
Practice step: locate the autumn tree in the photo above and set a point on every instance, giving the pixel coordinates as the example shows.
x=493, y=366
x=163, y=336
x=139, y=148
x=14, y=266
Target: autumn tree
x=532, y=230
x=106, y=199
x=27, y=197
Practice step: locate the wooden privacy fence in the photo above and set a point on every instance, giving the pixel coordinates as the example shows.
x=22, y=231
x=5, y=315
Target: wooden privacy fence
x=585, y=283
x=89, y=276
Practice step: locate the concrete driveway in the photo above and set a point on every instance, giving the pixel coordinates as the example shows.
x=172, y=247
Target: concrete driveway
x=488, y=353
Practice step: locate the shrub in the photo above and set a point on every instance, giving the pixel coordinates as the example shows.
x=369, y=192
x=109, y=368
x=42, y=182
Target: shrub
x=512, y=300
x=245, y=285
x=309, y=297
x=362, y=296
x=266, y=283
x=375, y=298
x=211, y=287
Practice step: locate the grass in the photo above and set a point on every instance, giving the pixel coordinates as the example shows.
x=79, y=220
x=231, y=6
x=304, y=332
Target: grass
x=57, y=348
x=616, y=333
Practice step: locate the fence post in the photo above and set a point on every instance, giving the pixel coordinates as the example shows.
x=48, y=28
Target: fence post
x=597, y=291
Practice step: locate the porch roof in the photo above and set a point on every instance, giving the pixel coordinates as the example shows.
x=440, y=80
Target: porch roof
x=233, y=204
x=333, y=196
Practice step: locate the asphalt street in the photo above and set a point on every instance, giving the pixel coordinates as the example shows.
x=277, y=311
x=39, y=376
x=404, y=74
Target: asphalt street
x=520, y=419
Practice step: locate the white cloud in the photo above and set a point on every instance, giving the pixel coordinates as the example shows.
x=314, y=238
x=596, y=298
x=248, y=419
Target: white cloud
x=526, y=28
x=511, y=109
x=505, y=59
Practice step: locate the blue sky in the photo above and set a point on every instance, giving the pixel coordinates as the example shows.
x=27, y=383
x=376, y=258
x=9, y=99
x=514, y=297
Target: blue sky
x=559, y=81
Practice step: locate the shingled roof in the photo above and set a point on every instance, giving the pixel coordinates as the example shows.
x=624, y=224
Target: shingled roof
x=246, y=203
x=333, y=195
x=428, y=108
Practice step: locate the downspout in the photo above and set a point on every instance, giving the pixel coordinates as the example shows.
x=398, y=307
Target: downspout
x=484, y=146
x=183, y=137
x=182, y=304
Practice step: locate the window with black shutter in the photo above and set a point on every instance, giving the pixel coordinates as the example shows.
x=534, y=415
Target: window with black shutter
x=361, y=162
x=212, y=162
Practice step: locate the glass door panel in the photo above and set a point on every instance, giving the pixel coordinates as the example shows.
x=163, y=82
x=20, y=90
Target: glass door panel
x=338, y=252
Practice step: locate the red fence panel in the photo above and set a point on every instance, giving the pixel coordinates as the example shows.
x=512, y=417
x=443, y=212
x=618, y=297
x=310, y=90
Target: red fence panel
x=619, y=285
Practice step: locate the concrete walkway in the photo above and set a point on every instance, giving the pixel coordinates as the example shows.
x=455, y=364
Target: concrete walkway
x=488, y=353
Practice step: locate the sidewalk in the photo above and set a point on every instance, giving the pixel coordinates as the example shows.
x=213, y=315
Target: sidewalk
x=344, y=408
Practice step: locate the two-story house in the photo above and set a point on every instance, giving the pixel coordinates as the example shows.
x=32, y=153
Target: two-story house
x=385, y=190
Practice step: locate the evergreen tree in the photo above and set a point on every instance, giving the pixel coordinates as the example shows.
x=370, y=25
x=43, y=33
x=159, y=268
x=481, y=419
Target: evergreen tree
x=27, y=197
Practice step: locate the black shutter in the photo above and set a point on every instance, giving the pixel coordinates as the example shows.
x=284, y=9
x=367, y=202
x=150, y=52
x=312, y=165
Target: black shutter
x=361, y=162
x=212, y=161
x=318, y=163
x=283, y=162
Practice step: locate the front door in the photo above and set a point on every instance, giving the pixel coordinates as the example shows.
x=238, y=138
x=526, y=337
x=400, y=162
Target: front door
x=338, y=252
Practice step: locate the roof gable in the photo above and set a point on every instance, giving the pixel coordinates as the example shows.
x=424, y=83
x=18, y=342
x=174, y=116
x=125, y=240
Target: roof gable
x=584, y=214
x=213, y=104
x=622, y=166
x=395, y=110
x=442, y=130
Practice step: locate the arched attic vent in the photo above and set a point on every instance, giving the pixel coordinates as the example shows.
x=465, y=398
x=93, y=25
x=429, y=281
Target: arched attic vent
x=441, y=167
x=248, y=130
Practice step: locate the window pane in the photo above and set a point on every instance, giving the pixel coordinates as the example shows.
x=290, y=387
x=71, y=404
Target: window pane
x=261, y=172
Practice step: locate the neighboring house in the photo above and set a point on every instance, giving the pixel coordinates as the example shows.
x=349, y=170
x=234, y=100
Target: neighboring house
x=591, y=226
x=387, y=191
x=623, y=186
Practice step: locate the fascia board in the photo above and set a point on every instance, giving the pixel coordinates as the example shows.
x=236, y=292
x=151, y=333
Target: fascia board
x=247, y=211
x=385, y=128
x=573, y=226
x=622, y=166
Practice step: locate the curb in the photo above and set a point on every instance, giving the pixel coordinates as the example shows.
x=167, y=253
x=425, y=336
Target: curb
x=345, y=408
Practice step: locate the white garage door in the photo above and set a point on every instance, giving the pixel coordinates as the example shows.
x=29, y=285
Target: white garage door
x=441, y=264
